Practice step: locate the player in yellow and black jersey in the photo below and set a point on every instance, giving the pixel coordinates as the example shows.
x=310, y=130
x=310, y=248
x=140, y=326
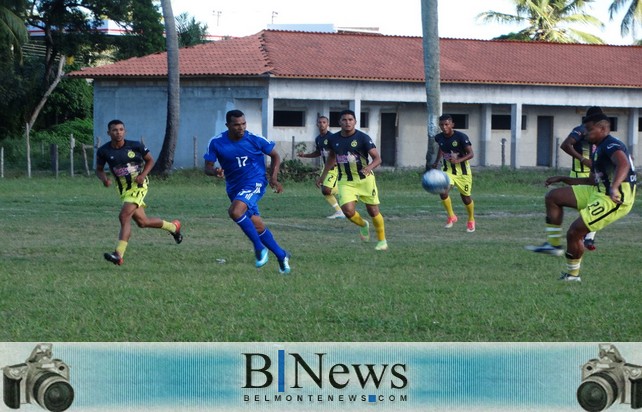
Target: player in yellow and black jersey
x=350, y=150
x=130, y=162
x=455, y=150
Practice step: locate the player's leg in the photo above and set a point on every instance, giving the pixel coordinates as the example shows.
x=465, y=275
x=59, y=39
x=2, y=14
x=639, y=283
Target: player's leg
x=448, y=205
x=329, y=190
x=369, y=194
x=348, y=195
x=238, y=212
x=574, y=250
x=125, y=218
x=464, y=184
x=555, y=201
x=267, y=239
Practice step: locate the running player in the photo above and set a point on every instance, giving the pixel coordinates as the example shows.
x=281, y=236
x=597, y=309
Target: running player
x=241, y=155
x=329, y=185
x=456, y=150
x=130, y=162
x=579, y=149
x=604, y=197
x=349, y=151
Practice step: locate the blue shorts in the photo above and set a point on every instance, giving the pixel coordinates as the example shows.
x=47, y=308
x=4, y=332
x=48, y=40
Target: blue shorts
x=249, y=194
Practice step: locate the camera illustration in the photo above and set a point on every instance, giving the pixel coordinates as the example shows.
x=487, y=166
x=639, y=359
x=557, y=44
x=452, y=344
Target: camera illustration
x=39, y=379
x=609, y=378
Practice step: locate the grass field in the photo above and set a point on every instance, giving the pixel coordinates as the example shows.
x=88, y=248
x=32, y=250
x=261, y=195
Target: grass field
x=433, y=284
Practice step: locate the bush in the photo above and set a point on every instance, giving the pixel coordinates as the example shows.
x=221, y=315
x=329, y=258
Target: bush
x=295, y=170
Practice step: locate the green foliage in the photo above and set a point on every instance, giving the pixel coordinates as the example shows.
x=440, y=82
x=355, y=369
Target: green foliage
x=81, y=129
x=145, y=31
x=433, y=285
x=190, y=32
x=73, y=98
x=295, y=170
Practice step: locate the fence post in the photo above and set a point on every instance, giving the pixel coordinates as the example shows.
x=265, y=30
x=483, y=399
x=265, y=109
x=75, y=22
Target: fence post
x=53, y=152
x=84, y=157
x=293, y=144
x=503, y=152
x=2, y=161
x=195, y=153
x=72, y=144
x=557, y=153
x=27, y=131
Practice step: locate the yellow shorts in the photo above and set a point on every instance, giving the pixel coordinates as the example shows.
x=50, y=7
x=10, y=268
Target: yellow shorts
x=364, y=190
x=135, y=195
x=331, y=179
x=463, y=183
x=597, y=209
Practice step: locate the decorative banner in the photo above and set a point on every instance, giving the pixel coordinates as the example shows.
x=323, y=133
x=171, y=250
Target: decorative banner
x=321, y=376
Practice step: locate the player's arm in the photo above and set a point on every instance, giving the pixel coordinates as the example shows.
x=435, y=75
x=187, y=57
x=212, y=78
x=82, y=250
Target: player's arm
x=316, y=153
x=100, y=173
x=211, y=169
x=329, y=165
x=440, y=154
x=275, y=165
x=568, y=146
x=571, y=181
x=376, y=161
x=468, y=154
x=622, y=169
x=149, y=163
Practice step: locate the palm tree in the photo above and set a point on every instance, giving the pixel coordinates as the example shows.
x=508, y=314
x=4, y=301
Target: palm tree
x=632, y=17
x=166, y=157
x=13, y=27
x=547, y=21
x=432, y=74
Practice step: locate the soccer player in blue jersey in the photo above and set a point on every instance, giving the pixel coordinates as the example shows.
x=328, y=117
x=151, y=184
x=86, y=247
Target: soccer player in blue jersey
x=349, y=151
x=456, y=150
x=578, y=147
x=241, y=156
x=130, y=162
x=604, y=197
x=329, y=185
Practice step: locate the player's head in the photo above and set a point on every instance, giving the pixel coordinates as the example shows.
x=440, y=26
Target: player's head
x=233, y=113
x=593, y=110
x=347, y=120
x=322, y=123
x=114, y=122
x=598, y=126
x=446, y=124
x=236, y=124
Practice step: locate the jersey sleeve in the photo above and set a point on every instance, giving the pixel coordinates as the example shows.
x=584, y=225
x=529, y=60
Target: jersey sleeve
x=210, y=155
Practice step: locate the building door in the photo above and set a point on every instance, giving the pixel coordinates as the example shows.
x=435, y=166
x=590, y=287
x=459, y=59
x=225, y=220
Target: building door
x=544, y=141
x=388, y=149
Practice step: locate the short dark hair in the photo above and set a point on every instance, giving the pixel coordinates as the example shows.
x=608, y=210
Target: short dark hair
x=596, y=118
x=445, y=117
x=593, y=110
x=113, y=123
x=233, y=113
x=323, y=117
x=347, y=111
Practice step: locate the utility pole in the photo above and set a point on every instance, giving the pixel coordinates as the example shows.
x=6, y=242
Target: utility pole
x=429, y=11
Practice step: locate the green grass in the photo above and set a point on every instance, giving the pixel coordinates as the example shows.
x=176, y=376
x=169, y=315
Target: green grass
x=432, y=285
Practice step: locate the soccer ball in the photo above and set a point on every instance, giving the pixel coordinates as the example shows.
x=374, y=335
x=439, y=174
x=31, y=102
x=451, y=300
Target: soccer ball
x=435, y=181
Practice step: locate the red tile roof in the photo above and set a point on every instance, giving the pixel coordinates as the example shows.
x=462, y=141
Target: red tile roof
x=375, y=57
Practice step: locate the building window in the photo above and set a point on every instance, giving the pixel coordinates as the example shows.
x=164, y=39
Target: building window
x=502, y=122
x=363, y=123
x=289, y=118
x=639, y=124
x=460, y=120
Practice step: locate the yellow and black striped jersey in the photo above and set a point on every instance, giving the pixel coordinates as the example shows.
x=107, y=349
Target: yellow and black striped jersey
x=452, y=147
x=351, y=154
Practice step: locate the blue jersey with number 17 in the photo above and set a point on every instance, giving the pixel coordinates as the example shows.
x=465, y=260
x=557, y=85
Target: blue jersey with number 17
x=243, y=161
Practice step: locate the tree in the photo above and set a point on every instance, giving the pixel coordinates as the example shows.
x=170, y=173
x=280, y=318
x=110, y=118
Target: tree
x=547, y=21
x=190, y=32
x=632, y=18
x=12, y=27
x=144, y=31
x=431, y=73
x=166, y=157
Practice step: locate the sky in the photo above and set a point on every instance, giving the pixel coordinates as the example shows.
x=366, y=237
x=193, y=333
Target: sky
x=457, y=18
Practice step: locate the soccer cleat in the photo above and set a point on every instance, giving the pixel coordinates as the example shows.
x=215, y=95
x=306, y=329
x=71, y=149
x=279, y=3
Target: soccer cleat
x=364, y=232
x=262, y=258
x=451, y=221
x=337, y=215
x=177, y=234
x=470, y=226
x=114, y=258
x=566, y=277
x=589, y=244
x=547, y=249
x=382, y=245
x=284, y=265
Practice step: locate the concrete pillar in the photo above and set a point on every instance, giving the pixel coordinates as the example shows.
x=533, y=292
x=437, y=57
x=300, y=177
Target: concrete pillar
x=515, y=133
x=485, y=134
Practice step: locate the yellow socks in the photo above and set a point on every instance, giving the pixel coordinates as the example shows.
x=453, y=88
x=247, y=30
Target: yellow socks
x=573, y=266
x=357, y=220
x=121, y=247
x=332, y=201
x=554, y=234
x=448, y=205
x=470, y=208
x=379, y=226
x=170, y=227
